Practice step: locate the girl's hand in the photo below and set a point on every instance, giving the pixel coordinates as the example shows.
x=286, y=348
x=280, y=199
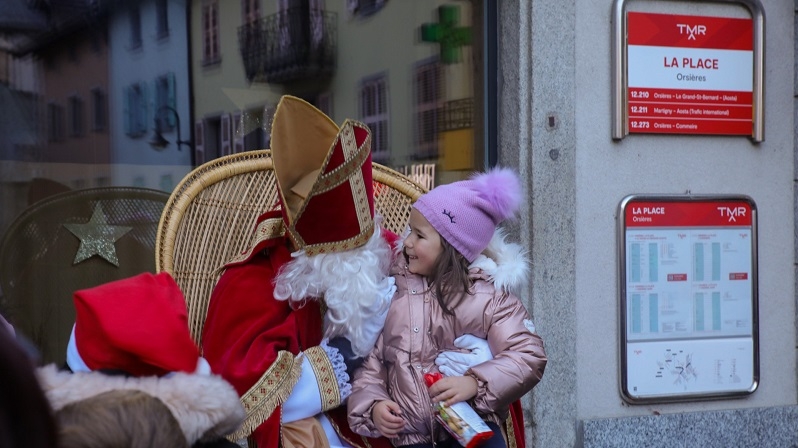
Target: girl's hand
x=387, y=418
x=453, y=389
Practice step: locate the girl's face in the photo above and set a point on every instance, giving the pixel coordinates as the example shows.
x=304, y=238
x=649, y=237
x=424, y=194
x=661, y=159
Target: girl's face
x=422, y=245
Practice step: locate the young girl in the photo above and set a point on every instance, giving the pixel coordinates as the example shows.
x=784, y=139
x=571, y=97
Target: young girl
x=453, y=280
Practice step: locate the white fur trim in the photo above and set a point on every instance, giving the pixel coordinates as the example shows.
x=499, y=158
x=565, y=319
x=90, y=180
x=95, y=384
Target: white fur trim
x=73, y=358
x=504, y=262
x=203, y=368
x=206, y=407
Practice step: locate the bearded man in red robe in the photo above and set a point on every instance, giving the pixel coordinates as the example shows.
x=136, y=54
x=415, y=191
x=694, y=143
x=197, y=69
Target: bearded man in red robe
x=290, y=318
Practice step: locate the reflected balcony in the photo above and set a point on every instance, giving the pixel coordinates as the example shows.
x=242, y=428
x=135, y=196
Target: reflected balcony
x=291, y=45
x=457, y=114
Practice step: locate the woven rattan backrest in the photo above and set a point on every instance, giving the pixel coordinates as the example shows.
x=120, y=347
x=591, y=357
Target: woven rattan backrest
x=212, y=211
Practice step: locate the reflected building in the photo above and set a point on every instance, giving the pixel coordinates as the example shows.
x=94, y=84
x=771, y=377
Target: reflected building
x=150, y=94
x=405, y=68
x=55, y=67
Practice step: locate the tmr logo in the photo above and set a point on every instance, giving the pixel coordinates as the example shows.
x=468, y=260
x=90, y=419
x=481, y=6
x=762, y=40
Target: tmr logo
x=732, y=213
x=692, y=31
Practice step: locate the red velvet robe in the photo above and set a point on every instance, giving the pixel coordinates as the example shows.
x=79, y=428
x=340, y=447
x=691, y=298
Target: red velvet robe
x=246, y=328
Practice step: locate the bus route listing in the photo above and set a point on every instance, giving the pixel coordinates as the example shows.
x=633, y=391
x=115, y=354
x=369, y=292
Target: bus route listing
x=689, y=74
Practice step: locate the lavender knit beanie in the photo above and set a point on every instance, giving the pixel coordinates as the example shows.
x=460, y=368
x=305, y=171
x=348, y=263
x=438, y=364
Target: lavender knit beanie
x=467, y=212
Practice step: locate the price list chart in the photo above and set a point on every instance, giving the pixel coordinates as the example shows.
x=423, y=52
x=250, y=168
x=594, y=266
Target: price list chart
x=688, y=297
x=689, y=74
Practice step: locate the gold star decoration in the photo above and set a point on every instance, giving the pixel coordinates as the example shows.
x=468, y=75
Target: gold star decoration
x=97, y=237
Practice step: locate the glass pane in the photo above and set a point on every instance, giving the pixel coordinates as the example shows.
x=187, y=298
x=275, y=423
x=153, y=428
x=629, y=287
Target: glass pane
x=125, y=98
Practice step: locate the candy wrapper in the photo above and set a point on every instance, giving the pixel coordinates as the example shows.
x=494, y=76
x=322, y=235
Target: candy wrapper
x=460, y=419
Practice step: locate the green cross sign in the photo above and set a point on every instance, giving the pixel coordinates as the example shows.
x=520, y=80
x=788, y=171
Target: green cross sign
x=446, y=32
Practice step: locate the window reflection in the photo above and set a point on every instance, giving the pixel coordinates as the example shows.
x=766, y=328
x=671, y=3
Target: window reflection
x=85, y=85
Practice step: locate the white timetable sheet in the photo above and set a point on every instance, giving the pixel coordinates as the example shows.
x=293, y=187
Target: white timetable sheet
x=688, y=298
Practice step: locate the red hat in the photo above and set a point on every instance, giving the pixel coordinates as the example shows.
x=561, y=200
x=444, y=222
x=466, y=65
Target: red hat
x=138, y=325
x=324, y=178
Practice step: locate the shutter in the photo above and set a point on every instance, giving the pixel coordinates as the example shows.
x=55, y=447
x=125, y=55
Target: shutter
x=144, y=109
x=199, y=142
x=171, y=99
x=226, y=135
x=126, y=115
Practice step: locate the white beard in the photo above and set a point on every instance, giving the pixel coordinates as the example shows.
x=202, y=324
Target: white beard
x=352, y=284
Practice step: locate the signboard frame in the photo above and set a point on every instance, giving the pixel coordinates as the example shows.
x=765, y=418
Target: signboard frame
x=669, y=373
x=620, y=82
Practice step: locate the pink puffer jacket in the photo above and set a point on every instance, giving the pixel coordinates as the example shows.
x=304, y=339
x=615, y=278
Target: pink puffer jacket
x=417, y=330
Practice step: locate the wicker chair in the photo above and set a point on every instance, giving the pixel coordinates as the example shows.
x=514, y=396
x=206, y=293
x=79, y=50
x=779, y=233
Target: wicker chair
x=212, y=211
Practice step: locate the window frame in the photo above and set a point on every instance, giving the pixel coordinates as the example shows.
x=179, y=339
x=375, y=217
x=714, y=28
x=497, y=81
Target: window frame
x=99, y=107
x=76, y=116
x=55, y=122
x=136, y=39
x=162, y=18
x=211, y=51
x=136, y=110
x=424, y=149
x=370, y=89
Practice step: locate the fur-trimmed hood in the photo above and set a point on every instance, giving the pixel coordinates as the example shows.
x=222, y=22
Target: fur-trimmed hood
x=504, y=263
x=206, y=406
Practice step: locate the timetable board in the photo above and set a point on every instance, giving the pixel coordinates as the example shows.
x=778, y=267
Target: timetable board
x=688, y=297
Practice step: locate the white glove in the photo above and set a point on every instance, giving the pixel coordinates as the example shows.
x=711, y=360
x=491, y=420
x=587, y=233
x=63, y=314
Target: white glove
x=372, y=328
x=456, y=363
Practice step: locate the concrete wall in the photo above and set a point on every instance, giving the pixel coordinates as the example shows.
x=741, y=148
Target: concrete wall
x=555, y=122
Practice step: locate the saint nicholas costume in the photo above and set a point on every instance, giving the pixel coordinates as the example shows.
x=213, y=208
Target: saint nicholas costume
x=277, y=307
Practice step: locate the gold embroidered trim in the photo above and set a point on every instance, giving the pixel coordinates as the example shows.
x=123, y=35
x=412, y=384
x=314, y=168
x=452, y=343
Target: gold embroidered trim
x=325, y=376
x=508, y=425
x=271, y=390
x=336, y=246
x=266, y=230
x=351, y=170
x=360, y=199
x=354, y=158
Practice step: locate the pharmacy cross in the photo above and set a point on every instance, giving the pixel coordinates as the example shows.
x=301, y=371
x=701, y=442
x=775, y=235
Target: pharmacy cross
x=446, y=32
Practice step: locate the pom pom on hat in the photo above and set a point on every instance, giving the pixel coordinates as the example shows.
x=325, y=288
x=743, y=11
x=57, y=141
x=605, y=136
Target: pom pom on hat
x=138, y=325
x=466, y=213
